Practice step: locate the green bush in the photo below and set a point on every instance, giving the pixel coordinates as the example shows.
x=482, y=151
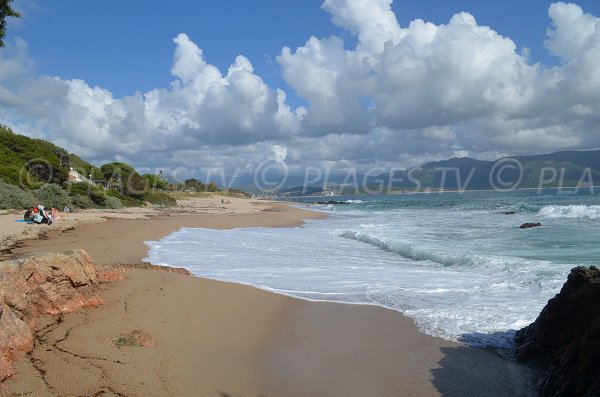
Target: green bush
x=81, y=201
x=194, y=185
x=160, y=198
x=52, y=195
x=94, y=192
x=83, y=195
x=126, y=201
x=152, y=181
x=13, y=197
x=212, y=187
x=125, y=179
x=113, y=202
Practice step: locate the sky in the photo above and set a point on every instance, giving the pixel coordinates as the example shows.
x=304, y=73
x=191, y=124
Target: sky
x=192, y=86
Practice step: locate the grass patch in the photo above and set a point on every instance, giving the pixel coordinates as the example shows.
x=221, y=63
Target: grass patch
x=184, y=195
x=160, y=198
x=122, y=341
x=135, y=338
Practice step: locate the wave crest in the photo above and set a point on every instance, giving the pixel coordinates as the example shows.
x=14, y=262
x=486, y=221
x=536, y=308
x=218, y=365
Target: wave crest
x=526, y=207
x=415, y=253
x=571, y=211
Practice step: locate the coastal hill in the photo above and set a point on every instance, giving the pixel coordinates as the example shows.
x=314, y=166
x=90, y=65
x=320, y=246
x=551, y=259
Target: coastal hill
x=560, y=169
x=43, y=160
x=36, y=171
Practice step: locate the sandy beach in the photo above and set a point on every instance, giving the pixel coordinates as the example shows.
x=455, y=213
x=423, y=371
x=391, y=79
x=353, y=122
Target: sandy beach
x=221, y=339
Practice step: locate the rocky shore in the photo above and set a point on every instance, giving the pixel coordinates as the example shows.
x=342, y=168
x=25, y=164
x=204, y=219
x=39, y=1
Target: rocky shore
x=47, y=284
x=31, y=286
x=564, y=341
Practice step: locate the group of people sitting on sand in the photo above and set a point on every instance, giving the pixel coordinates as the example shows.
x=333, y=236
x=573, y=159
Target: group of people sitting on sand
x=40, y=215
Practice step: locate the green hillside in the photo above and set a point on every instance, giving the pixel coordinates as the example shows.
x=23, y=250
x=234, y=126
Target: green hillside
x=36, y=171
x=29, y=162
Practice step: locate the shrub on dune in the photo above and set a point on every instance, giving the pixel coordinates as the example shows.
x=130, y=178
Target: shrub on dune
x=12, y=197
x=52, y=195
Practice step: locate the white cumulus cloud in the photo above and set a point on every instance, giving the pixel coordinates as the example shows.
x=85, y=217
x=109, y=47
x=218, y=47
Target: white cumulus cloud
x=460, y=75
x=201, y=107
x=398, y=96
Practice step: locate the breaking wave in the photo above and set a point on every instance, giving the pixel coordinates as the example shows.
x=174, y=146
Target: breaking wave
x=411, y=251
x=571, y=211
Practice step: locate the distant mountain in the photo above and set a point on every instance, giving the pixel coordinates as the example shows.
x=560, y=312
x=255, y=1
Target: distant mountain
x=297, y=191
x=588, y=158
x=560, y=169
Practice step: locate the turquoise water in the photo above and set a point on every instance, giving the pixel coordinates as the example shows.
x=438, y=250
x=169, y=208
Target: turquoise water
x=455, y=262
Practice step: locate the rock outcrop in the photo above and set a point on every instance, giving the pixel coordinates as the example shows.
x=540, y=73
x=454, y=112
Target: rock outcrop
x=565, y=338
x=48, y=284
x=15, y=337
x=147, y=266
x=30, y=286
x=530, y=225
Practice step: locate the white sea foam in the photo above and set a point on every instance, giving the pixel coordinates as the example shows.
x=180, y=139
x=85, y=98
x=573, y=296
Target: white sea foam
x=456, y=263
x=571, y=211
x=456, y=273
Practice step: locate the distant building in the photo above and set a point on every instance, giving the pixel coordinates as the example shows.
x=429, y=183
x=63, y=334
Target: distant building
x=75, y=176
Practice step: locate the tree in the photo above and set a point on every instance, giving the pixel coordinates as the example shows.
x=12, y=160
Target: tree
x=5, y=11
x=194, y=184
x=212, y=187
x=124, y=178
x=154, y=181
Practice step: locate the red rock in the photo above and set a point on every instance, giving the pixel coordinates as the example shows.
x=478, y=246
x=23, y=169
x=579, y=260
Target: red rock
x=150, y=266
x=54, y=283
x=106, y=275
x=15, y=337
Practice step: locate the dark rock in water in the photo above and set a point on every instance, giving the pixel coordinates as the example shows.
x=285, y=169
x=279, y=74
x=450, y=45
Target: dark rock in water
x=530, y=225
x=509, y=212
x=565, y=338
x=332, y=202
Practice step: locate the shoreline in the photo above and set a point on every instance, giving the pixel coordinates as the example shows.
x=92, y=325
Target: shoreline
x=433, y=191
x=97, y=236
x=244, y=340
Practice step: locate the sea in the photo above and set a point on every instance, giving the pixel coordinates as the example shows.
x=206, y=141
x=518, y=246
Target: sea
x=455, y=262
